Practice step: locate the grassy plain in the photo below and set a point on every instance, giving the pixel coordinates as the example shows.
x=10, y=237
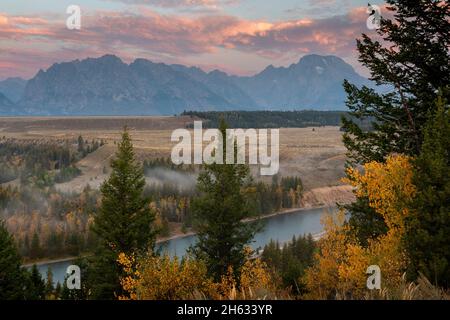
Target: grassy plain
x=317, y=154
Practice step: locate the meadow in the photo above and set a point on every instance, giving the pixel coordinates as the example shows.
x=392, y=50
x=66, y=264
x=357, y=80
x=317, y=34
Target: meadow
x=316, y=154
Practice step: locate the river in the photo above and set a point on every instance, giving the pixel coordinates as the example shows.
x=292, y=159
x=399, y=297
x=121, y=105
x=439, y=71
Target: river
x=280, y=227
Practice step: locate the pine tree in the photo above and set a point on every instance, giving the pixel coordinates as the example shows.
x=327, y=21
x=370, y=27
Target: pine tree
x=36, y=288
x=12, y=276
x=290, y=261
x=413, y=63
x=81, y=145
x=35, y=249
x=219, y=213
x=83, y=292
x=365, y=221
x=26, y=246
x=58, y=290
x=124, y=221
x=49, y=285
x=428, y=227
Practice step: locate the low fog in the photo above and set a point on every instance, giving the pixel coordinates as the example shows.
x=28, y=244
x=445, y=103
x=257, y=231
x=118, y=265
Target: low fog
x=161, y=176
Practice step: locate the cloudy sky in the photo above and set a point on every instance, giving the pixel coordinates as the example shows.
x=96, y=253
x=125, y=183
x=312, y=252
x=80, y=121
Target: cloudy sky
x=237, y=36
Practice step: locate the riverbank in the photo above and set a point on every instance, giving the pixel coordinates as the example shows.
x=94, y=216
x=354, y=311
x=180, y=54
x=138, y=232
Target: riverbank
x=179, y=234
x=281, y=228
x=327, y=196
x=317, y=198
x=49, y=261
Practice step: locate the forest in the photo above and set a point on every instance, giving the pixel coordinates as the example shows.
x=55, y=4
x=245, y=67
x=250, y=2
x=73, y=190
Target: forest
x=275, y=119
x=42, y=163
x=47, y=223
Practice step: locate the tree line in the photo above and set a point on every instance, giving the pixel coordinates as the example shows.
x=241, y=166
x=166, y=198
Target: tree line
x=273, y=119
x=47, y=223
x=42, y=163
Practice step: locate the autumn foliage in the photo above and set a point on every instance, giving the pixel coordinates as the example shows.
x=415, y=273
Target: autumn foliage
x=341, y=263
x=165, y=278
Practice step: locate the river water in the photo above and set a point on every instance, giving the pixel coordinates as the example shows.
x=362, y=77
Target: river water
x=280, y=227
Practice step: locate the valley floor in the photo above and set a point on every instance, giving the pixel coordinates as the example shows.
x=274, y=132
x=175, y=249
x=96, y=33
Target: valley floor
x=316, y=155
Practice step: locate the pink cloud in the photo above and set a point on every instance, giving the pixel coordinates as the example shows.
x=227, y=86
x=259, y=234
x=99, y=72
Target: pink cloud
x=178, y=3
x=172, y=37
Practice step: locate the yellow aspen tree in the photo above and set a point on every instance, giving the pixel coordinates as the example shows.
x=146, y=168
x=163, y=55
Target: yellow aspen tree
x=322, y=279
x=389, y=188
x=341, y=264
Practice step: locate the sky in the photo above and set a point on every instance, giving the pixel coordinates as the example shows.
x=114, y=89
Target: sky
x=239, y=37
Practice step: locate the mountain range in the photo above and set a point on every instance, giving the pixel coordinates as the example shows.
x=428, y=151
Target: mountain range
x=108, y=86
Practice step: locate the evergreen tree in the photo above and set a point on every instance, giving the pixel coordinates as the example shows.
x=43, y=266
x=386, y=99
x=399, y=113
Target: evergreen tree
x=58, y=290
x=413, y=63
x=26, y=246
x=12, y=276
x=366, y=223
x=428, y=227
x=124, y=221
x=77, y=294
x=49, y=285
x=291, y=261
x=36, y=287
x=81, y=145
x=72, y=243
x=219, y=212
x=35, y=249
